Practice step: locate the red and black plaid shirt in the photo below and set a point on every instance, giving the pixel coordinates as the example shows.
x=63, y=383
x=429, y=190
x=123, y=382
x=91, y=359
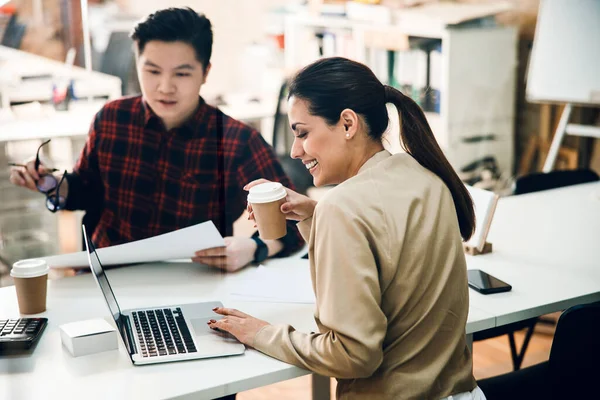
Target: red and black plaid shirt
x=136, y=180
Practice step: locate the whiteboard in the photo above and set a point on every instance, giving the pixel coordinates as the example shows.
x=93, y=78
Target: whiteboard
x=565, y=60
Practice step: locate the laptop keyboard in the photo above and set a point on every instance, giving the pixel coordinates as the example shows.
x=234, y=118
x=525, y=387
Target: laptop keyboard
x=162, y=332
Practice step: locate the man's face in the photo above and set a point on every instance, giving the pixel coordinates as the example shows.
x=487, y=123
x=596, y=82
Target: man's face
x=170, y=77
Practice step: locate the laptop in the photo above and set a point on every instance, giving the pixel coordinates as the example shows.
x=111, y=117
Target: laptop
x=158, y=334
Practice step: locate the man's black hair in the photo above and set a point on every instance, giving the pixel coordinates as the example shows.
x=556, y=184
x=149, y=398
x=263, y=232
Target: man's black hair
x=177, y=25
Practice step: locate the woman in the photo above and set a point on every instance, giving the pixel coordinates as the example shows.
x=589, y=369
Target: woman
x=385, y=248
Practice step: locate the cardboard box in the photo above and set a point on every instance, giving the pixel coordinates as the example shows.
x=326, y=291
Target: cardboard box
x=87, y=337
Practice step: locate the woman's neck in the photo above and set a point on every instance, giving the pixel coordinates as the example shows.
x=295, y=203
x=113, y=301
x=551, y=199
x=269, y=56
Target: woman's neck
x=371, y=148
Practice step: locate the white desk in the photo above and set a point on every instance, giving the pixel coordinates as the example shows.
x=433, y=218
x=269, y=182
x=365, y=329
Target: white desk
x=71, y=123
x=77, y=120
x=111, y=375
x=546, y=245
x=15, y=64
x=557, y=268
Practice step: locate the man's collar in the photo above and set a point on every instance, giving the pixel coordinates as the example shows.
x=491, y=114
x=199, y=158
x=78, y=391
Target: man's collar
x=190, y=125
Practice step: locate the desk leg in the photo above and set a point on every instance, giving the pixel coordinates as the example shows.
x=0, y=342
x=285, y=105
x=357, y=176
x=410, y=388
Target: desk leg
x=470, y=342
x=321, y=387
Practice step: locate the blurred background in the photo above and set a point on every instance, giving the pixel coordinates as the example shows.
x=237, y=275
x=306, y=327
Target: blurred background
x=464, y=61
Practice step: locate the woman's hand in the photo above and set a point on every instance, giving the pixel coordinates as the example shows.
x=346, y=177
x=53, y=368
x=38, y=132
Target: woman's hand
x=297, y=207
x=242, y=326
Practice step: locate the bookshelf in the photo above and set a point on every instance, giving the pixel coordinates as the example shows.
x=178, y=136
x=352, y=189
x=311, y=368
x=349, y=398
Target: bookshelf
x=474, y=73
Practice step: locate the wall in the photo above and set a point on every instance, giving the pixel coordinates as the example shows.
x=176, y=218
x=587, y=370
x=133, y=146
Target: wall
x=236, y=23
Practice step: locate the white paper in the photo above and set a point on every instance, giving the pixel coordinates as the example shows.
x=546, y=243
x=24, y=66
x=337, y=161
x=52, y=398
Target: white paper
x=182, y=243
x=484, y=203
x=275, y=284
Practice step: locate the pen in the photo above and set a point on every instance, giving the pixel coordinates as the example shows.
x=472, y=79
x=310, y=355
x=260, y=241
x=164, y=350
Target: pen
x=12, y=164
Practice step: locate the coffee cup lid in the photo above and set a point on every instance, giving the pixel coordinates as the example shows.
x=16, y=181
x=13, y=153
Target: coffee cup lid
x=266, y=192
x=29, y=268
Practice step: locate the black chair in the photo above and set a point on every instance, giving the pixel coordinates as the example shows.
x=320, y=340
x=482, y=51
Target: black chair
x=119, y=60
x=552, y=180
x=13, y=34
x=572, y=370
x=527, y=184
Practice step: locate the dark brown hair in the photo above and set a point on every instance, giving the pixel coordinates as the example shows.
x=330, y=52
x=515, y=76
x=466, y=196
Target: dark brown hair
x=331, y=85
x=177, y=25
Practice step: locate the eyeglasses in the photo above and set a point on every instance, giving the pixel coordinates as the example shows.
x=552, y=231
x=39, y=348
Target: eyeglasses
x=48, y=184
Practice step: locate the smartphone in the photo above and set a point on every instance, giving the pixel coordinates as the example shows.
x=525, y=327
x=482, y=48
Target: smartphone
x=485, y=283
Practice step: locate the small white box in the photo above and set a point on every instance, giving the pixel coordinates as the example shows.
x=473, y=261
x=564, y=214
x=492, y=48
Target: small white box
x=87, y=337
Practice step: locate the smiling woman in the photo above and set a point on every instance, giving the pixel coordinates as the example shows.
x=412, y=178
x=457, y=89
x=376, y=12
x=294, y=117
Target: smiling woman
x=385, y=246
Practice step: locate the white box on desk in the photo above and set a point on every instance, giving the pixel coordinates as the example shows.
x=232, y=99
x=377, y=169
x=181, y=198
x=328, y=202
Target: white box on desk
x=87, y=337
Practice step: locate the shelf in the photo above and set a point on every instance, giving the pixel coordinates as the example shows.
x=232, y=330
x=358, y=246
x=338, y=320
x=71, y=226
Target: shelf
x=428, y=31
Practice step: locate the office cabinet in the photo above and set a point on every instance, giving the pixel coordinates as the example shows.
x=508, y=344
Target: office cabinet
x=469, y=71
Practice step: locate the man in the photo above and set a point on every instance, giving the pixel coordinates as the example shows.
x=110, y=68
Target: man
x=166, y=160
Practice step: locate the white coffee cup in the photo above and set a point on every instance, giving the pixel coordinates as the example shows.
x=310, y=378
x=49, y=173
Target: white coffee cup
x=266, y=200
x=31, y=282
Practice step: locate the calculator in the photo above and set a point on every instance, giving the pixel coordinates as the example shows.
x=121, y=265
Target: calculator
x=20, y=333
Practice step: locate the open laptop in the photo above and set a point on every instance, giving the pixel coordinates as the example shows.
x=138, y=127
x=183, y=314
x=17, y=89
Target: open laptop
x=157, y=334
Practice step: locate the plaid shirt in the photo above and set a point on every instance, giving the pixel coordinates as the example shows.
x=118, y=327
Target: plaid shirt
x=136, y=180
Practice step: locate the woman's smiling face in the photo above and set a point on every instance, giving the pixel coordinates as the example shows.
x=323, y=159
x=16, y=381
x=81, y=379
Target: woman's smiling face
x=321, y=147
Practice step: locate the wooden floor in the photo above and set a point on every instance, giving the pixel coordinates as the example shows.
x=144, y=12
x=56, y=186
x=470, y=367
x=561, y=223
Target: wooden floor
x=490, y=357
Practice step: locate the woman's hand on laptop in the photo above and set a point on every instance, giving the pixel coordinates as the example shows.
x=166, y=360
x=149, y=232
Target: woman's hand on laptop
x=237, y=253
x=243, y=326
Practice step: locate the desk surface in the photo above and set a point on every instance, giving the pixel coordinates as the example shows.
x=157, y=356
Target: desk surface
x=15, y=64
x=545, y=245
x=74, y=122
x=545, y=275
x=111, y=375
x=78, y=119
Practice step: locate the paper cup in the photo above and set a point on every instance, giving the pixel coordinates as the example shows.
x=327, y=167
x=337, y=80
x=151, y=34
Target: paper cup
x=31, y=282
x=266, y=200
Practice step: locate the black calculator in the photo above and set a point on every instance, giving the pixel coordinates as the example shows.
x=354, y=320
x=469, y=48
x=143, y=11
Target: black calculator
x=20, y=333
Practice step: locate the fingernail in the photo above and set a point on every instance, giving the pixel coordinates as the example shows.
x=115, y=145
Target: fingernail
x=212, y=321
x=215, y=309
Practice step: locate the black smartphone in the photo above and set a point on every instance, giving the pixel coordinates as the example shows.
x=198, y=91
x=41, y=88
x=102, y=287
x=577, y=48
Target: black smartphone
x=485, y=283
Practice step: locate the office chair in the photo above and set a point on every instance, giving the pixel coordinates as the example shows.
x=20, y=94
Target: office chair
x=572, y=369
x=528, y=184
x=119, y=60
x=551, y=180
x=13, y=34
x=294, y=169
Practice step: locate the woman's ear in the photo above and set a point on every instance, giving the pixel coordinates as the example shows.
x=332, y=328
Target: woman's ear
x=349, y=121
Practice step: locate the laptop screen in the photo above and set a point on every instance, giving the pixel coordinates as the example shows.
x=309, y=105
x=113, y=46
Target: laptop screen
x=101, y=279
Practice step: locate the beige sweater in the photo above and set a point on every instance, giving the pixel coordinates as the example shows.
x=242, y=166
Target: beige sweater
x=390, y=279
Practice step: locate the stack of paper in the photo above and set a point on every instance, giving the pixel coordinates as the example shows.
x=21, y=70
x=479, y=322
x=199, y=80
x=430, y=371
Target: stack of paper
x=182, y=243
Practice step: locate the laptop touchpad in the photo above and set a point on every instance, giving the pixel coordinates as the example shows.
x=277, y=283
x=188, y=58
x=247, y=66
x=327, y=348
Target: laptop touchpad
x=201, y=328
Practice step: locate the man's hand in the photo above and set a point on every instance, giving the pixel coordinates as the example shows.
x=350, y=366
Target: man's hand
x=237, y=253
x=27, y=176
x=243, y=326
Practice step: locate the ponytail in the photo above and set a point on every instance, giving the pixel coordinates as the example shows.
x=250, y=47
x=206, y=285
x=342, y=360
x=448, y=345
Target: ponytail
x=418, y=140
x=333, y=84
